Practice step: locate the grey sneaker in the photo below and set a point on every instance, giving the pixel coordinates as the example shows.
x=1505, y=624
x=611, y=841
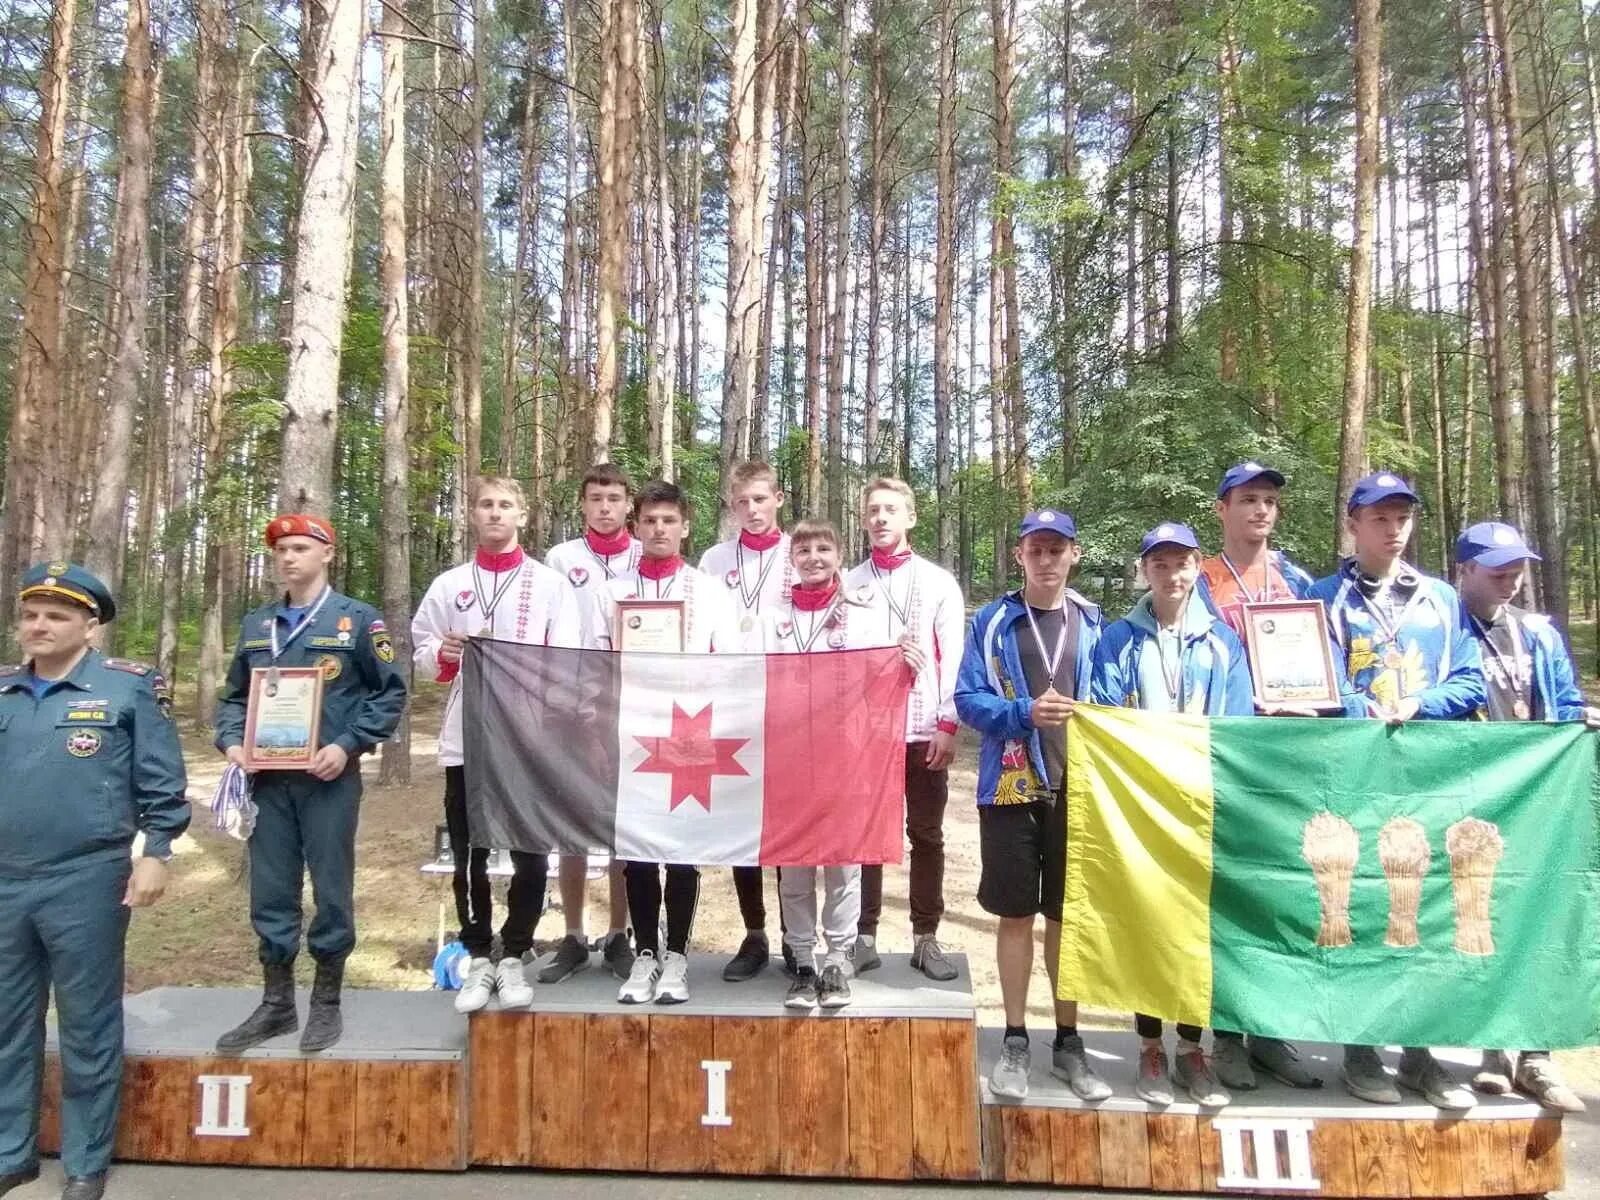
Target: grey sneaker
x=929, y=958
x=1422, y=1073
x=1152, y=1085
x=803, y=991
x=618, y=955
x=571, y=956
x=1010, y=1074
x=1537, y=1076
x=1493, y=1076
x=864, y=954
x=1282, y=1061
x=1193, y=1074
x=1365, y=1078
x=1231, y=1063
x=1070, y=1062
x=833, y=989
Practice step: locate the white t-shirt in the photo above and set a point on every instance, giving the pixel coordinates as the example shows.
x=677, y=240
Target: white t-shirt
x=757, y=581
x=923, y=598
x=709, y=620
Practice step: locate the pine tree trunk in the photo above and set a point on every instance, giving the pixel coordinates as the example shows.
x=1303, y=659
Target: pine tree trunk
x=1003, y=15
x=619, y=35
x=811, y=160
x=840, y=258
x=944, y=276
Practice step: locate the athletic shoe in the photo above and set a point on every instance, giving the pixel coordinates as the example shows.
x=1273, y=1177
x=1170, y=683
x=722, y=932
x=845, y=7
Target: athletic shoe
x=751, y=959
x=1279, y=1059
x=571, y=956
x=673, y=986
x=641, y=985
x=1193, y=1074
x=1010, y=1074
x=1365, y=1078
x=790, y=967
x=929, y=958
x=512, y=983
x=1538, y=1077
x=476, y=987
x=1422, y=1073
x=802, y=992
x=833, y=989
x=1231, y=1063
x=864, y=954
x=618, y=954
x=1152, y=1085
x=1494, y=1074
x=1069, y=1061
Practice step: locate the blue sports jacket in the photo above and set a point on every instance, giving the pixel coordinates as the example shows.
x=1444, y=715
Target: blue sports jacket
x=1555, y=685
x=1215, y=672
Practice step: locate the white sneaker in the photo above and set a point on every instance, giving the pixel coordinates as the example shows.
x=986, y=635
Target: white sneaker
x=641, y=985
x=512, y=984
x=476, y=987
x=674, y=985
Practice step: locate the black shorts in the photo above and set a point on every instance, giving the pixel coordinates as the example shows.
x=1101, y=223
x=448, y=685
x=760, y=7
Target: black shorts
x=1024, y=852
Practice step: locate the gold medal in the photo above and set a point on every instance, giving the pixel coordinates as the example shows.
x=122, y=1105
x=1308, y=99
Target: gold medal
x=1521, y=710
x=486, y=631
x=747, y=624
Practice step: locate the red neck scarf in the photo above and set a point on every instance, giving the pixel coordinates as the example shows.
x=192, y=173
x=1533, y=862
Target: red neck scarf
x=760, y=541
x=660, y=568
x=607, y=545
x=490, y=561
x=886, y=560
x=814, y=599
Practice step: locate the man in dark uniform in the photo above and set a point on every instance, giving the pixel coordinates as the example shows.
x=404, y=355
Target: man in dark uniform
x=306, y=820
x=91, y=758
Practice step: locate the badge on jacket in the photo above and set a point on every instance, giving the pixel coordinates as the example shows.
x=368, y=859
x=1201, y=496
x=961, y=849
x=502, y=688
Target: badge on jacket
x=382, y=644
x=83, y=743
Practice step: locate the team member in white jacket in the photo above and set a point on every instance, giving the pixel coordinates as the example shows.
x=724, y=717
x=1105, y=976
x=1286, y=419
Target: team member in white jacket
x=911, y=596
x=501, y=593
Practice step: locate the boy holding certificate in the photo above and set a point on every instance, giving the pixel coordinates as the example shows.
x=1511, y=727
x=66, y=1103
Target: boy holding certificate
x=502, y=594
x=663, y=604
x=306, y=819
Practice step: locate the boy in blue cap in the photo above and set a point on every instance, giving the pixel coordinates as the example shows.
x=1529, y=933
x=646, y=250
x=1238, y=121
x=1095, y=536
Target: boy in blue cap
x=1405, y=647
x=91, y=758
x=1529, y=677
x=1027, y=659
x=1172, y=654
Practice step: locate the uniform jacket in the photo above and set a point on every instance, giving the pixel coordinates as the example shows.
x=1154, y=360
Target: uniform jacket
x=1433, y=656
x=363, y=692
x=1214, y=673
x=936, y=618
x=88, y=765
x=992, y=696
x=1555, y=687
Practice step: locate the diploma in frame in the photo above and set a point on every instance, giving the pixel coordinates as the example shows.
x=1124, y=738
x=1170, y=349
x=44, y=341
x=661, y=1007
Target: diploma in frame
x=282, y=719
x=1291, y=660
x=655, y=625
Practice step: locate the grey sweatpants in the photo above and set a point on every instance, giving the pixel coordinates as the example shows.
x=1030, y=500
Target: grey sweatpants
x=841, y=909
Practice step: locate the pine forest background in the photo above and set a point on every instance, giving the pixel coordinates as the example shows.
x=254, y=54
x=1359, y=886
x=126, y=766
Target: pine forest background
x=340, y=255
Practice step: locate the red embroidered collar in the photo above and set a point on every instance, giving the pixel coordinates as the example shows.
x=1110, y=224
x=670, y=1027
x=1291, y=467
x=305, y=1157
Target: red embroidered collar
x=490, y=561
x=607, y=545
x=886, y=560
x=660, y=568
x=815, y=599
x=760, y=541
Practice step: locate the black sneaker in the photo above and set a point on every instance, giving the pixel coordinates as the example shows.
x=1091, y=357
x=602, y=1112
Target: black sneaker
x=571, y=956
x=833, y=989
x=803, y=991
x=618, y=955
x=790, y=967
x=750, y=961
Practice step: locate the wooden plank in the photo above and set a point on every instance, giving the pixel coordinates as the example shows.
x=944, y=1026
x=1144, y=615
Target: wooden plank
x=1536, y=1156
x=1379, y=1152
x=753, y=1143
x=1433, y=1156
x=1124, y=1150
x=816, y=1138
x=1174, y=1148
x=616, y=1051
x=275, y=1103
x=1026, y=1135
x=944, y=1099
x=1485, y=1158
x=1333, y=1158
x=554, y=1097
x=435, y=1120
x=383, y=1136
x=50, y=1106
x=155, y=1124
x=500, y=1050
x=1074, y=1148
x=878, y=1085
x=992, y=1143
x=330, y=1113
x=677, y=1090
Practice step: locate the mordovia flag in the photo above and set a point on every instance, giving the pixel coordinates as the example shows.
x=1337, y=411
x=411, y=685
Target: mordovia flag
x=1431, y=884
x=714, y=759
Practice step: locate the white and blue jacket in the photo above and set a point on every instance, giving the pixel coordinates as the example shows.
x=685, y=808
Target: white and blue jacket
x=1214, y=672
x=1555, y=686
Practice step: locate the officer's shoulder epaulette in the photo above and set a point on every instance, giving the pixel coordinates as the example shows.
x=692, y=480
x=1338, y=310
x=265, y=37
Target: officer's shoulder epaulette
x=131, y=667
x=13, y=669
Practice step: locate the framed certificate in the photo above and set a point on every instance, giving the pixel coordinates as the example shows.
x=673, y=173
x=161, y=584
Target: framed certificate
x=282, y=718
x=1291, y=660
x=650, y=625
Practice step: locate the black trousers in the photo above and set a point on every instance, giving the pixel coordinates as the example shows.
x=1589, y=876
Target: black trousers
x=748, y=885
x=474, y=899
x=645, y=894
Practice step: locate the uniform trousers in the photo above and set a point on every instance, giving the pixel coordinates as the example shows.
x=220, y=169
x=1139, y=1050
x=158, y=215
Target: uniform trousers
x=66, y=928
x=304, y=824
x=927, y=792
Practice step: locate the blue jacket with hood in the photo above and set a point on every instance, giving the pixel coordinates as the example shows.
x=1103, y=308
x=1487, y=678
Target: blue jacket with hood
x=1555, y=686
x=1214, y=671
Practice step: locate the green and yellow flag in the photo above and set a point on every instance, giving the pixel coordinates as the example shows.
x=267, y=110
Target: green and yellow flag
x=1431, y=884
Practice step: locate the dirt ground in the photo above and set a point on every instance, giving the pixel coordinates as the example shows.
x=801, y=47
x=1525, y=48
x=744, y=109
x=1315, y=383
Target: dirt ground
x=200, y=935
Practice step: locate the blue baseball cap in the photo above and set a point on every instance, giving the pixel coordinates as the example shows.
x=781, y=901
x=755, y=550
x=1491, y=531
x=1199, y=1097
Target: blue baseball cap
x=1493, y=544
x=62, y=580
x=1247, y=472
x=1169, y=533
x=1048, y=520
x=1378, y=487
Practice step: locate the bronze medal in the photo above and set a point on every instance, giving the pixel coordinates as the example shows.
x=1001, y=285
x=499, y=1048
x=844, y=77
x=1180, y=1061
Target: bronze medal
x=1521, y=709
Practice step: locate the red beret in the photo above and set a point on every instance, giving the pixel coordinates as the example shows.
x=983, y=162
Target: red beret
x=299, y=525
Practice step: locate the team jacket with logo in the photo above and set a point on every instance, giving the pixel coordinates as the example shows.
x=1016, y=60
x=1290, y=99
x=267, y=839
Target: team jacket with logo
x=1555, y=689
x=586, y=571
x=710, y=624
x=536, y=608
x=758, y=582
x=925, y=599
x=1213, y=674
x=847, y=624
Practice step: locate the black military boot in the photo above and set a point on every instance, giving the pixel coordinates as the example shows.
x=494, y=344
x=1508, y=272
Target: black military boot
x=273, y=1016
x=324, y=1023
